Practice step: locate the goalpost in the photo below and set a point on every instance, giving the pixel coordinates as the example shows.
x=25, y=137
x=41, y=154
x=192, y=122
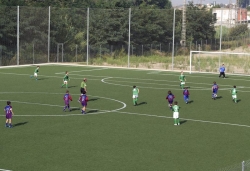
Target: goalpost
x=205, y=61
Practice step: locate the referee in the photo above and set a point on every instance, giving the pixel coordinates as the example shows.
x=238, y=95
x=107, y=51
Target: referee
x=83, y=86
x=222, y=71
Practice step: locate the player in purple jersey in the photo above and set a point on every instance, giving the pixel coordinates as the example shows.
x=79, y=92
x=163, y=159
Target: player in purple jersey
x=83, y=99
x=170, y=98
x=8, y=113
x=67, y=98
x=215, y=89
x=186, y=95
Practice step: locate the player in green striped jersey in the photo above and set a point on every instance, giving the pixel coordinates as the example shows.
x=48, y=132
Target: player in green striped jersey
x=182, y=79
x=234, y=94
x=66, y=79
x=176, y=109
x=35, y=72
x=135, y=95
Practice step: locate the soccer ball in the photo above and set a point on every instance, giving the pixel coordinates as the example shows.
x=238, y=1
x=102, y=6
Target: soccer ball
x=215, y=95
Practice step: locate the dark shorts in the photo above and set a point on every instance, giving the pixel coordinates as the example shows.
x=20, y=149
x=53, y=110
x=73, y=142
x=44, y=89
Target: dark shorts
x=8, y=116
x=82, y=90
x=170, y=102
x=66, y=102
x=84, y=104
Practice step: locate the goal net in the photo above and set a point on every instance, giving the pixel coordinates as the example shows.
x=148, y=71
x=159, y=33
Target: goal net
x=204, y=61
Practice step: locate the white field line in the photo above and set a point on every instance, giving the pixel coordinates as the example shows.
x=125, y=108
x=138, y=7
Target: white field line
x=117, y=110
x=194, y=120
x=42, y=104
x=153, y=80
x=113, y=67
x=101, y=111
x=190, y=75
x=169, y=81
x=157, y=88
x=4, y=170
x=44, y=76
x=83, y=70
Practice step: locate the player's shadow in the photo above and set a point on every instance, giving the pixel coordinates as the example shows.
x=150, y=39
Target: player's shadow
x=42, y=78
x=20, y=124
x=238, y=100
x=191, y=101
x=183, y=121
x=93, y=99
x=142, y=103
x=74, y=109
x=218, y=97
x=92, y=111
x=71, y=86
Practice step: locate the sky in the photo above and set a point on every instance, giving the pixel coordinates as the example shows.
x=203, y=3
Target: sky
x=179, y=2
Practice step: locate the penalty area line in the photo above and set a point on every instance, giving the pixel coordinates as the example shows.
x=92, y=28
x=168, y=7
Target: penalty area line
x=194, y=120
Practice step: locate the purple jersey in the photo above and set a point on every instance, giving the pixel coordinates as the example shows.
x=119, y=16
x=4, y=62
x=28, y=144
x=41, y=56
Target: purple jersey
x=83, y=99
x=8, y=112
x=215, y=88
x=67, y=98
x=170, y=97
x=186, y=92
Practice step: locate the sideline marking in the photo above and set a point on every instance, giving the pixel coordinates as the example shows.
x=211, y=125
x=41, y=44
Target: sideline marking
x=4, y=170
x=194, y=120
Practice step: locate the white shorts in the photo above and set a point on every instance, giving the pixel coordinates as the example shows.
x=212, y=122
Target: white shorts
x=234, y=96
x=135, y=96
x=176, y=115
x=35, y=74
x=65, y=82
x=182, y=82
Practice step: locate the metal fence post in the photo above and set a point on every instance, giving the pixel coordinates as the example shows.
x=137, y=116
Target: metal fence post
x=88, y=36
x=17, y=55
x=129, y=26
x=173, y=41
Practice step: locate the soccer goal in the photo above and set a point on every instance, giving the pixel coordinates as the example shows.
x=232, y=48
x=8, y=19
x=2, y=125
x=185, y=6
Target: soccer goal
x=205, y=61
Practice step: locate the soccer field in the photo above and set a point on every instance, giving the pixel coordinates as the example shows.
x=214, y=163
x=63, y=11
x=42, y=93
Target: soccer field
x=114, y=134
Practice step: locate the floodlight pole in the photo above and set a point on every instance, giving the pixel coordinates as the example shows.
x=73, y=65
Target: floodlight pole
x=49, y=36
x=220, y=33
x=173, y=41
x=129, y=19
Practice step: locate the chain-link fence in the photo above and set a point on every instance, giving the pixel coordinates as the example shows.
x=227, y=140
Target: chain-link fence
x=38, y=35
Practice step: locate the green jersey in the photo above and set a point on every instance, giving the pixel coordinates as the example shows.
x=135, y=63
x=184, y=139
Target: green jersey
x=135, y=91
x=176, y=108
x=66, y=78
x=234, y=91
x=36, y=70
x=83, y=84
x=182, y=78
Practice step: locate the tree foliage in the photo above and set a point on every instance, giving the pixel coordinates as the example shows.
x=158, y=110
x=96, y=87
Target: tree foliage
x=151, y=23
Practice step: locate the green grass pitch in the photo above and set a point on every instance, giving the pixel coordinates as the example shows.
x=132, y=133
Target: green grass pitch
x=114, y=134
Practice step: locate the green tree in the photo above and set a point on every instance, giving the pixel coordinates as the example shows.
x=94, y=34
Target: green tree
x=200, y=23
